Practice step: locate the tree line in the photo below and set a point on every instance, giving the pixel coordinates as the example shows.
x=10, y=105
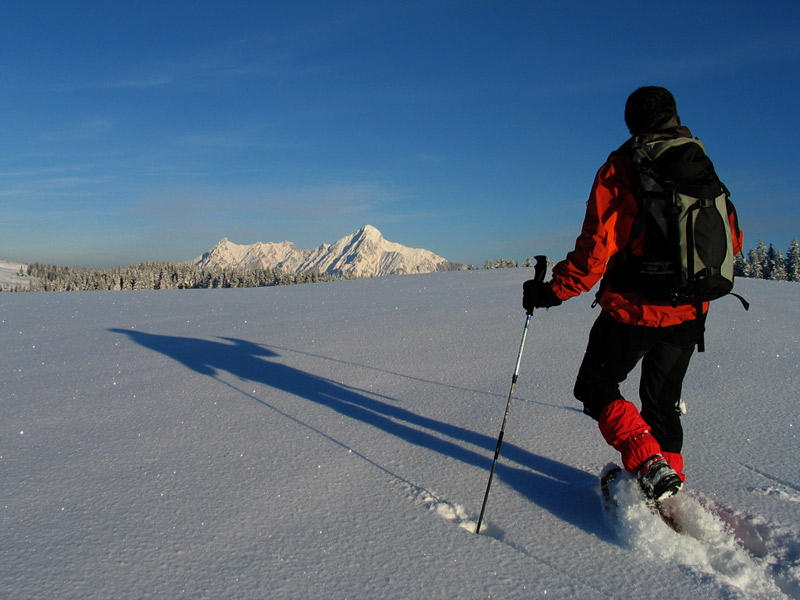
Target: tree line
x=764, y=262
x=159, y=276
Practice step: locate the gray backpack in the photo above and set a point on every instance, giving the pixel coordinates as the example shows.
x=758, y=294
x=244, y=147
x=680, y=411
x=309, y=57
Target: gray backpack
x=684, y=212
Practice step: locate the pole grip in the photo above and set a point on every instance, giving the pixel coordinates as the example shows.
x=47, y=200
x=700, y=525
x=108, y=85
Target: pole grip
x=540, y=268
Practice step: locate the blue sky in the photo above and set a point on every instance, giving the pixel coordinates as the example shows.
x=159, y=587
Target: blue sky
x=149, y=130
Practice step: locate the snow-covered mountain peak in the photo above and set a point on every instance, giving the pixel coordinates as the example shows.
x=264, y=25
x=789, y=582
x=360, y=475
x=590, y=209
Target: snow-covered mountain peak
x=365, y=253
x=369, y=232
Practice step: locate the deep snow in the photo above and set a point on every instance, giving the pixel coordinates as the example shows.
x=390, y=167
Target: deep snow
x=334, y=440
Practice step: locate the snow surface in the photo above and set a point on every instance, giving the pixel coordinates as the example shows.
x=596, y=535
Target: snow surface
x=334, y=440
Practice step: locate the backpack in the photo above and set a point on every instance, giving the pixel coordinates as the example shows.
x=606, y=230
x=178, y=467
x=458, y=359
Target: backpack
x=684, y=212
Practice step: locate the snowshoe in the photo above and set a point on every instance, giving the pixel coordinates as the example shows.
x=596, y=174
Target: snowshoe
x=610, y=477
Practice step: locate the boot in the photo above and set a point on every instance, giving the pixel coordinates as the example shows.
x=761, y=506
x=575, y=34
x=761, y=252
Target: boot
x=658, y=479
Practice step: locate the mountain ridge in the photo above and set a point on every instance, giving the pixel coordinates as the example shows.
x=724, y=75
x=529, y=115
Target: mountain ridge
x=365, y=253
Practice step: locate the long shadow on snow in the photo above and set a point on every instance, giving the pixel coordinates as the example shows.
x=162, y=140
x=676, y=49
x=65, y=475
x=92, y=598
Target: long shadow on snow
x=566, y=492
x=419, y=379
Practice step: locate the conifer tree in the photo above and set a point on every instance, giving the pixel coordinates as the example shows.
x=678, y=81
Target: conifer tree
x=777, y=271
x=757, y=259
x=793, y=261
x=770, y=263
x=741, y=267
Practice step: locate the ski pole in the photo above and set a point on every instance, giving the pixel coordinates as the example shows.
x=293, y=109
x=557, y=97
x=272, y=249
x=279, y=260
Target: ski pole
x=538, y=274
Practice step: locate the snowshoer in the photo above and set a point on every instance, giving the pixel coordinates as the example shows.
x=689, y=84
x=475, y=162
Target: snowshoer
x=630, y=327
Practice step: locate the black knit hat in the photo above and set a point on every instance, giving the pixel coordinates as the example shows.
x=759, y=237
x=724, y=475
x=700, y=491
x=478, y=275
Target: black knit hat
x=649, y=109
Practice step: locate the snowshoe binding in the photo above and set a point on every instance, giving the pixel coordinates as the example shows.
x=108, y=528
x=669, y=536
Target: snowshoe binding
x=657, y=479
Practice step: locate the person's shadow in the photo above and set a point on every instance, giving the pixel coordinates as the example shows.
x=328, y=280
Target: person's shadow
x=566, y=492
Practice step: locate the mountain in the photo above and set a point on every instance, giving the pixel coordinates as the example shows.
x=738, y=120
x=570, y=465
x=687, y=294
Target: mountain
x=365, y=253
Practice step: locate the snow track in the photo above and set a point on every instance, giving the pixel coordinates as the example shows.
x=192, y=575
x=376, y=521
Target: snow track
x=711, y=541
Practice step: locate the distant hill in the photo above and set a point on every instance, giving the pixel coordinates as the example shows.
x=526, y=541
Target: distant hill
x=10, y=277
x=365, y=253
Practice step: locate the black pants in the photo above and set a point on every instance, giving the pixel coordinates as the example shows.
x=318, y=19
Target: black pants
x=614, y=349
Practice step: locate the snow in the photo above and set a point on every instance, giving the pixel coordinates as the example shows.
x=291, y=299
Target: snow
x=284, y=255
x=334, y=440
x=9, y=275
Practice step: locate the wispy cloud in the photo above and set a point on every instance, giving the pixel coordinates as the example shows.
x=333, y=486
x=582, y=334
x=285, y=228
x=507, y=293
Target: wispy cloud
x=326, y=200
x=319, y=202
x=32, y=185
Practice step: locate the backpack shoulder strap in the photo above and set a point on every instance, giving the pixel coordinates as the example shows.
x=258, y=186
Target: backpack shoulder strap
x=625, y=149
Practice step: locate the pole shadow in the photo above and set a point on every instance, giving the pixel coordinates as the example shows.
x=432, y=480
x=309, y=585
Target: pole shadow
x=566, y=492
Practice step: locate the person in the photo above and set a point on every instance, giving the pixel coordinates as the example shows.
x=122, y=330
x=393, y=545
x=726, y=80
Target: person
x=630, y=327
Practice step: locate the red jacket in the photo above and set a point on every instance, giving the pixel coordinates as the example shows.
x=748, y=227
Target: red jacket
x=610, y=214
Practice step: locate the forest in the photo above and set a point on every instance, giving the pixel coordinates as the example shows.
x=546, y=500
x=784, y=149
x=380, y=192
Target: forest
x=158, y=276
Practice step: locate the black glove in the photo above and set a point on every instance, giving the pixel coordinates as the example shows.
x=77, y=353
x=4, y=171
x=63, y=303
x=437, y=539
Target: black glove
x=538, y=294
